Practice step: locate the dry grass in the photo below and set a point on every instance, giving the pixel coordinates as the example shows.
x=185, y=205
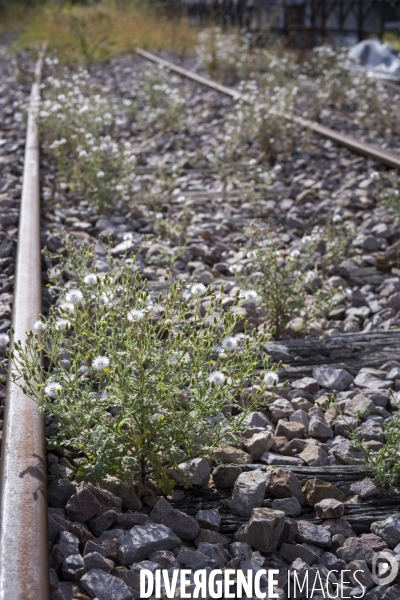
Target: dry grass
x=96, y=32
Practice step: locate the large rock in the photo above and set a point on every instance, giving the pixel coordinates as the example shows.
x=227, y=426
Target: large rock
x=333, y=379
x=264, y=529
x=368, y=380
x=284, y=484
x=103, y=586
x=82, y=506
x=259, y=443
x=195, y=470
x=182, y=524
x=290, y=506
x=132, y=577
x=248, y=493
x=314, y=534
x=125, y=491
x=209, y=519
x=291, y=552
x=356, y=549
x=316, y=490
x=224, y=476
x=319, y=428
x=314, y=456
x=329, y=509
x=232, y=455
x=290, y=430
x=359, y=404
x=388, y=530
x=59, y=492
x=365, y=488
x=142, y=540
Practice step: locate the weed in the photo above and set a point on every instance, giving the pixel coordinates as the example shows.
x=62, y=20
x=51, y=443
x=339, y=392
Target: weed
x=137, y=385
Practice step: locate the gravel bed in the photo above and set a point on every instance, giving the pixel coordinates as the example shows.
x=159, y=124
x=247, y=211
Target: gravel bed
x=287, y=496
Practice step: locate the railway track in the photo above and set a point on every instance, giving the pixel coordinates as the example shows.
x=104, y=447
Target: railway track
x=23, y=518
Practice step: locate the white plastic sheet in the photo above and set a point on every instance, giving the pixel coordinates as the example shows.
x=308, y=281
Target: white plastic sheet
x=379, y=60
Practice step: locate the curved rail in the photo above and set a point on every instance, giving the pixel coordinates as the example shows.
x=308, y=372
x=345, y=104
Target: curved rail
x=388, y=158
x=24, y=573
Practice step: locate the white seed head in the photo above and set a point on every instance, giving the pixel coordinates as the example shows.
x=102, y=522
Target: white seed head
x=229, y=343
x=100, y=174
x=74, y=296
x=63, y=324
x=4, y=340
x=105, y=298
x=90, y=279
x=271, y=378
x=51, y=390
x=100, y=363
x=217, y=378
x=250, y=295
x=135, y=315
x=198, y=289
x=68, y=306
x=39, y=326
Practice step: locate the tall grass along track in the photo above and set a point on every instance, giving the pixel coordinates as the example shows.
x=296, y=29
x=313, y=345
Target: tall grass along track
x=383, y=156
x=23, y=525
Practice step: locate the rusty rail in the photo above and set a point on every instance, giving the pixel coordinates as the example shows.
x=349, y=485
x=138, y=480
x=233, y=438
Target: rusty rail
x=388, y=158
x=24, y=571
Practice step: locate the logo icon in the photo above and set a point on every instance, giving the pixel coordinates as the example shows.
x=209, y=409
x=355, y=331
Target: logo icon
x=384, y=568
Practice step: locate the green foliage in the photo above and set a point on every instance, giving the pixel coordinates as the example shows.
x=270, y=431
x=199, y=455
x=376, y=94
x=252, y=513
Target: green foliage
x=138, y=385
x=76, y=121
x=384, y=463
x=290, y=290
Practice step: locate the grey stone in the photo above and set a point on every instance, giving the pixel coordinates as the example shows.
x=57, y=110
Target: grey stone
x=291, y=552
x=106, y=498
x=300, y=416
x=370, y=381
x=358, y=404
x=365, y=488
x=145, y=539
x=194, y=559
x=314, y=456
x=164, y=558
x=333, y=379
x=196, y=470
x=290, y=506
x=355, y=549
x=216, y=552
x=127, y=520
x=257, y=419
x=240, y=549
x=248, y=493
x=102, y=522
x=82, y=506
x=329, y=509
x=315, y=534
x=271, y=458
x=388, y=530
x=224, y=476
x=103, y=586
x=125, y=491
x=132, y=577
x=332, y=562
x=290, y=430
x=68, y=543
x=210, y=537
x=259, y=443
x=209, y=519
x=264, y=529
x=93, y=547
x=320, y=429
x=363, y=575
x=182, y=524
x=70, y=565
x=59, y=492
x=232, y=455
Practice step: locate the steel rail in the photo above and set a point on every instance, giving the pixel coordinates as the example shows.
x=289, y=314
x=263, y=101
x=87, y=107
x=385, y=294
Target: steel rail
x=24, y=573
x=383, y=156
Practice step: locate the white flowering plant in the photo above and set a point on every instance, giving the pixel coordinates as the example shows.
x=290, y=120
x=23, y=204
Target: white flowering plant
x=138, y=385
x=288, y=284
x=76, y=121
x=160, y=103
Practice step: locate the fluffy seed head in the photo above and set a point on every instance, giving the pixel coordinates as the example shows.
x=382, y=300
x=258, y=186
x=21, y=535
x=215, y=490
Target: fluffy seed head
x=74, y=296
x=68, y=306
x=39, y=326
x=217, y=378
x=63, y=324
x=100, y=363
x=90, y=279
x=271, y=378
x=135, y=315
x=229, y=343
x=4, y=340
x=51, y=390
x=249, y=295
x=198, y=289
